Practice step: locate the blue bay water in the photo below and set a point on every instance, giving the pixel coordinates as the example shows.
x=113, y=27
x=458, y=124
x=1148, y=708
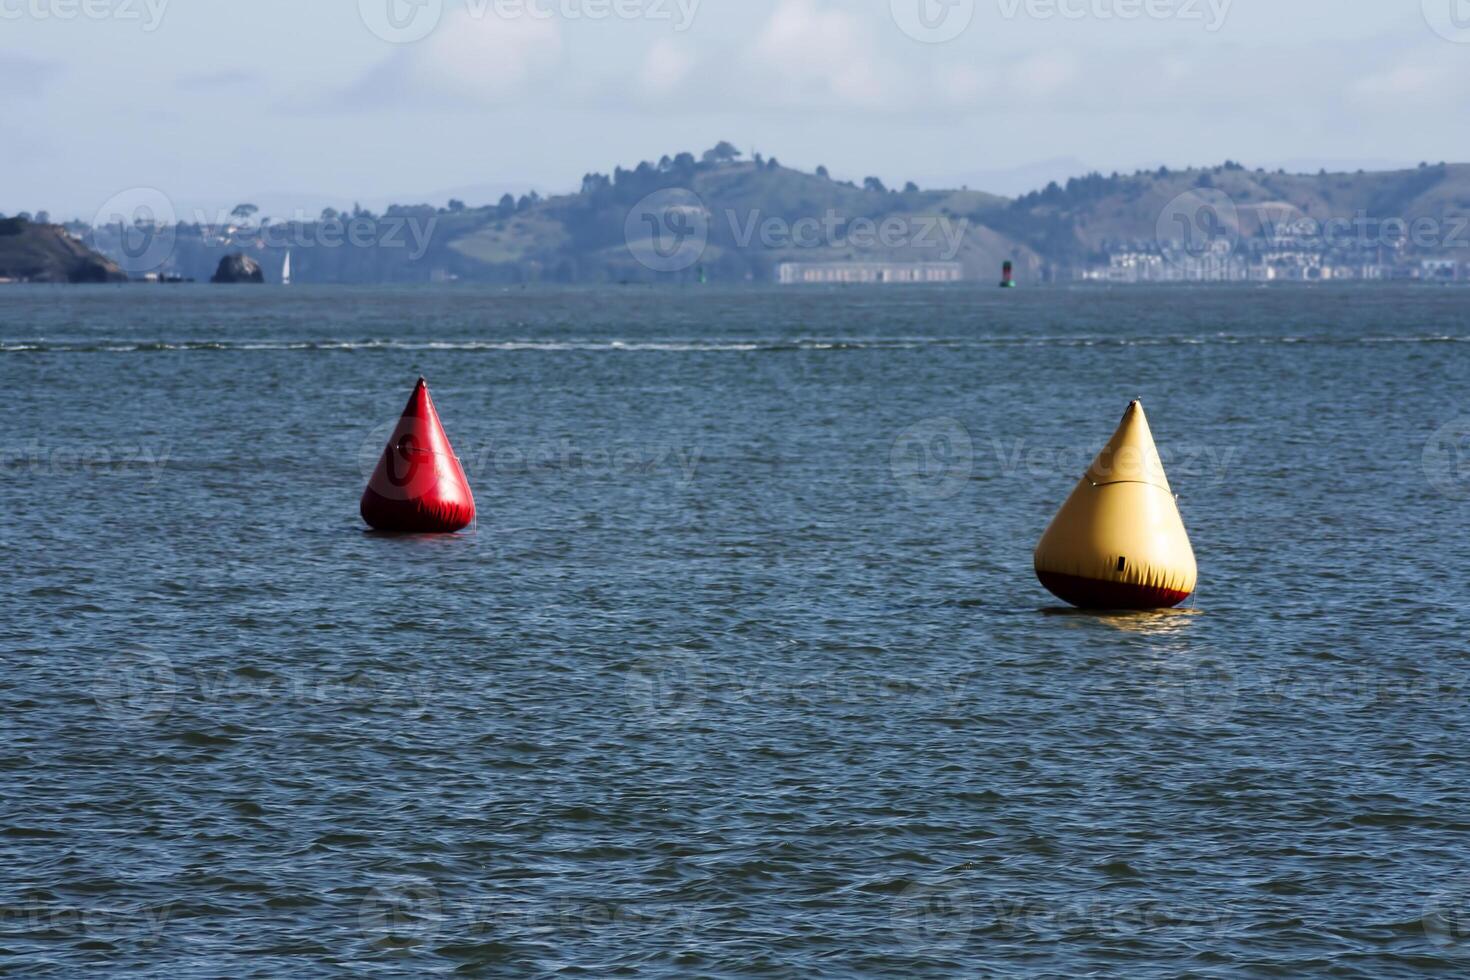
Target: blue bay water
x=744, y=670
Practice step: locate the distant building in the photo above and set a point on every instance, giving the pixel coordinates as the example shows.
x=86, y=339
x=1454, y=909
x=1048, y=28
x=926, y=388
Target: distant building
x=803, y=273
x=1258, y=263
x=1440, y=270
x=1136, y=267
x=1132, y=267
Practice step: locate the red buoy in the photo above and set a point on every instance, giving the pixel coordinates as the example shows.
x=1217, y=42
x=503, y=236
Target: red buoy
x=419, y=486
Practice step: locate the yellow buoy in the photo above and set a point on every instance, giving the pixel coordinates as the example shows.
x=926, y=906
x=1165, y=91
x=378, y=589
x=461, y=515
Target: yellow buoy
x=1118, y=542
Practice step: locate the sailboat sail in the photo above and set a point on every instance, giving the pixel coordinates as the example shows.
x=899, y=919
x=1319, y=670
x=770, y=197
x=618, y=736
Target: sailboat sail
x=286, y=271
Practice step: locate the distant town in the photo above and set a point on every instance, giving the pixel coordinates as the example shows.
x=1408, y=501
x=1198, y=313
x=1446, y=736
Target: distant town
x=1279, y=260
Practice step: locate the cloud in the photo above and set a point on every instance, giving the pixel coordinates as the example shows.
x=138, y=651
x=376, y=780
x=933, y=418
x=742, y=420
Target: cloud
x=474, y=59
x=810, y=56
x=24, y=76
x=1044, y=75
x=814, y=56
x=963, y=85
x=1036, y=79
x=1406, y=81
x=665, y=69
x=213, y=80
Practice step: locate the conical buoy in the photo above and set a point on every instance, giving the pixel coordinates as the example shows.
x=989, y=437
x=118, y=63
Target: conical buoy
x=1118, y=542
x=419, y=486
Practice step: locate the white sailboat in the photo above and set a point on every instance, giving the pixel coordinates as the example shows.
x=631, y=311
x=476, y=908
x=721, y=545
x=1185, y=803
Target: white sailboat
x=286, y=270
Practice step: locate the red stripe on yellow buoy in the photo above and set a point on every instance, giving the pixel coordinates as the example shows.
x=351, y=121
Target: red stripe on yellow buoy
x=419, y=486
x=1119, y=542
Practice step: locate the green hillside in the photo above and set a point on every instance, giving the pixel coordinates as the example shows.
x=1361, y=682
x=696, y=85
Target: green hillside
x=1090, y=215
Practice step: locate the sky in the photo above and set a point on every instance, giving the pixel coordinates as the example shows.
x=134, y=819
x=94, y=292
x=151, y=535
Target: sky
x=302, y=104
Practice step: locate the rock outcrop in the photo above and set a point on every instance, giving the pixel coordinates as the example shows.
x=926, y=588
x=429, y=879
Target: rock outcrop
x=46, y=253
x=238, y=268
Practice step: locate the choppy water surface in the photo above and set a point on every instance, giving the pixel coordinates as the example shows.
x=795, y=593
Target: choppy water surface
x=744, y=670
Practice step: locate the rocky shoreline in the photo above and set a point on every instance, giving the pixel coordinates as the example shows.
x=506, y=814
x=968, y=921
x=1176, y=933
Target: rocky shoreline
x=37, y=253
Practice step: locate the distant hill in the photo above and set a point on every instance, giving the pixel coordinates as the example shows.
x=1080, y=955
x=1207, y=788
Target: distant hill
x=1092, y=215
x=733, y=219
x=46, y=253
x=756, y=216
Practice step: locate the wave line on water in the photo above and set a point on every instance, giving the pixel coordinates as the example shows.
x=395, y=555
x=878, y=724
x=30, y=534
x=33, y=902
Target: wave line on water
x=754, y=345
